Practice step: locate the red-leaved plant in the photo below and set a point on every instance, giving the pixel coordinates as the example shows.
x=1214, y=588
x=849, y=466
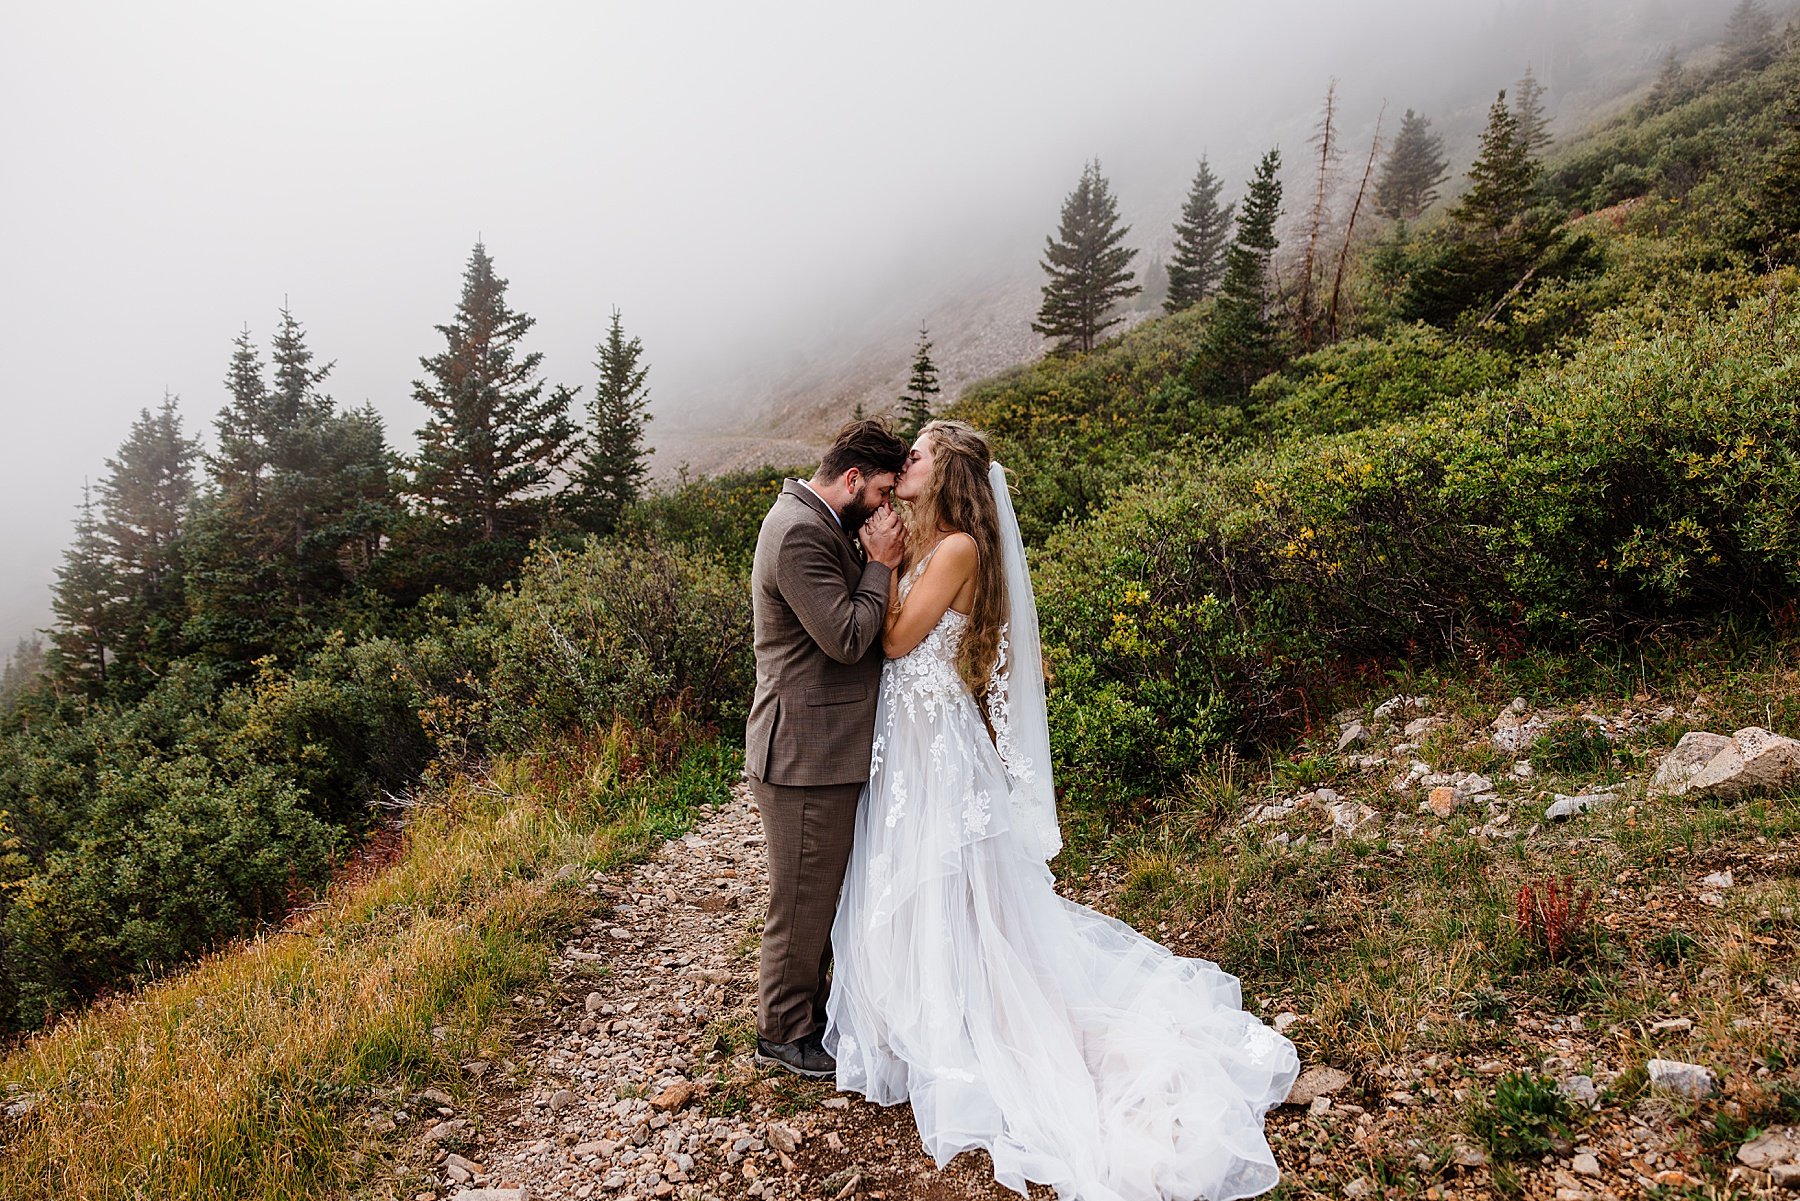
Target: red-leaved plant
x=1553, y=915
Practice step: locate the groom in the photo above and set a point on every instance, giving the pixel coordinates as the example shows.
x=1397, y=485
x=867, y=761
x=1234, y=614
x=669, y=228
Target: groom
x=819, y=601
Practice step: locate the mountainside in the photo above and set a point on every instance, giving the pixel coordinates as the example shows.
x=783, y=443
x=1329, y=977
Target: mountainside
x=1436, y=676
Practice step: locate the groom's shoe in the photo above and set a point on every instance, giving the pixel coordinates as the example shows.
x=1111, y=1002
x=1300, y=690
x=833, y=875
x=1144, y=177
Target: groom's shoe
x=806, y=1057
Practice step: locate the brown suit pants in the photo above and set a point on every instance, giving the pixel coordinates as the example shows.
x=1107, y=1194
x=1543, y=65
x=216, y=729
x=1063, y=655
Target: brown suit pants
x=808, y=833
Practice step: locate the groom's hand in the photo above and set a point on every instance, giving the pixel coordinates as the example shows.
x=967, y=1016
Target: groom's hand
x=884, y=537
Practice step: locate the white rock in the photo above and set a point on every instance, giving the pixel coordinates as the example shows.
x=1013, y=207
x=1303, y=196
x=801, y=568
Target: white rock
x=1777, y=1145
x=1514, y=732
x=1687, y=1079
x=1283, y=1020
x=1418, y=727
x=1474, y=786
x=1358, y=1188
x=1522, y=770
x=1717, y=879
x=1585, y=1164
x=1354, y=734
x=1316, y=1081
x=1580, y=1090
x=1568, y=806
x=1786, y=1175
x=1750, y=761
x=1327, y=796
x=1352, y=819
x=494, y=1194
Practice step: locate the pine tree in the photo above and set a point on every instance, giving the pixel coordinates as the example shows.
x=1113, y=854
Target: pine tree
x=1671, y=83
x=921, y=387
x=1502, y=180
x=1155, y=292
x=1749, y=42
x=24, y=668
x=1089, y=271
x=146, y=498
x=1201, y=237
x=494, y=437
x=301, y=498
x=1413, y=170
x=1495, y=239
x=84, y=600
x=1528, y=114
x=611, y=473
x=1240, y=345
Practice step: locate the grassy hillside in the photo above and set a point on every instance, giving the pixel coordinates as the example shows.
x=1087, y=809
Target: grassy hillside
x=1560, y=464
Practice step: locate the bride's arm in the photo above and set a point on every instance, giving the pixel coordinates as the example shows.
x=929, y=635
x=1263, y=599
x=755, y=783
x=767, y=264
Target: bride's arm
x=950, y=569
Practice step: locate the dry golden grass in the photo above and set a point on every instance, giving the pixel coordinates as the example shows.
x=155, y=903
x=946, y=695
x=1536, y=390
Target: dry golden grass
x=233, y=1079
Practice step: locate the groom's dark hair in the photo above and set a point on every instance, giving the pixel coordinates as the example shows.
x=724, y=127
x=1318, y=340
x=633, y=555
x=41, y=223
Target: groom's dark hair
x=868, y=445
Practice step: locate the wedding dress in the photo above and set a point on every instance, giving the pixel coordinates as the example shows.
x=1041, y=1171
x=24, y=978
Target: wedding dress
x=1075, y=1051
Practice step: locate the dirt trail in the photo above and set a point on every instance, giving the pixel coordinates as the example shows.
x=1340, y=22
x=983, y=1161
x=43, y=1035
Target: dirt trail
x=633, y=1078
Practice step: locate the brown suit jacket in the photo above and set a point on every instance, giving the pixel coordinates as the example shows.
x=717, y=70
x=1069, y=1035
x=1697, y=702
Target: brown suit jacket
x=818, y=610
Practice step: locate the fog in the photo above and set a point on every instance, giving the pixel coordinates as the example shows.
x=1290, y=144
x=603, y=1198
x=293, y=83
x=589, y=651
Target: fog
x=775, y=195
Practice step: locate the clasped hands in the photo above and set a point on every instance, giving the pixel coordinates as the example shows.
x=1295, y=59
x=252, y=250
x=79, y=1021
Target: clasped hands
x=883, y=537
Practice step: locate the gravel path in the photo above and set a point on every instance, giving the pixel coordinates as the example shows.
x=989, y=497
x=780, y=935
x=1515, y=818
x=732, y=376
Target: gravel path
x=635, y=1077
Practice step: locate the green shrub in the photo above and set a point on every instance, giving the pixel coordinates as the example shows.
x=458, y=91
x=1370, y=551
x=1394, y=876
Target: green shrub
x=1524, y=1118
x=1371, y=381
x=615, y=630
x=718, y=513
x=1653, y=477
x=1573, y=745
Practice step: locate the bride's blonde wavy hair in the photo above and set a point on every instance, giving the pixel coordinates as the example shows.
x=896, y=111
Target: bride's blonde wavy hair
x=958, y=498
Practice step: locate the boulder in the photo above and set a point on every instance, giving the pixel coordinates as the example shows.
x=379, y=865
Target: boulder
x=1752, y=760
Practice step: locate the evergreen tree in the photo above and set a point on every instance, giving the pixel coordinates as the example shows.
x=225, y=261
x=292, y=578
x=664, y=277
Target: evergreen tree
x=1155, y=285
x=146, y=498
x=1201, y=237
x=1749, y=43
x=494, y=437
x=921, y=387
x=1089, y=271
x=1240, y=346
x=84, y=599
x=301, y=497
x=1413, y=170
x=1670, y=85
x=611, y=473
x=1502, y=180
x=24, y=668
x=1496, y=237
x=1528, y=115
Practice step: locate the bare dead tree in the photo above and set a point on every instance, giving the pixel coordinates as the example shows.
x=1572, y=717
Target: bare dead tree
x=1337, y=283
x=1324, y=140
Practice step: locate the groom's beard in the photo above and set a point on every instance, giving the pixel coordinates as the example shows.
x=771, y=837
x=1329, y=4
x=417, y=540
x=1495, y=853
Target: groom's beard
x=856, y=511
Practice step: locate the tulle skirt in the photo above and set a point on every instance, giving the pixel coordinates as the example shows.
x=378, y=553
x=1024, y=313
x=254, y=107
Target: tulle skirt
x=1076, y=1052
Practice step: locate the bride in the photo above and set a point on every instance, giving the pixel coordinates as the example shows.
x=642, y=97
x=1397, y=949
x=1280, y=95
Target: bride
x=1076, y=1052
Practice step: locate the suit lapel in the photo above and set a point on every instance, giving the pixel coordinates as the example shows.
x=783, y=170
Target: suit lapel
x=806, y=496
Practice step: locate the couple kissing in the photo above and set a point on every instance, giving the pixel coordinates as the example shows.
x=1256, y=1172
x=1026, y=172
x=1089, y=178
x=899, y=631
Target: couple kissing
x=915, y=948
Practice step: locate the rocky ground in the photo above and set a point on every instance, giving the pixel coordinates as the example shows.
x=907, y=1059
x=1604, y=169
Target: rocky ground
x=628, y=1072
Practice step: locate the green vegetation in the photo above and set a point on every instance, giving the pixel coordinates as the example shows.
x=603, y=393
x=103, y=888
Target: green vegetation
x=1553, y=457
